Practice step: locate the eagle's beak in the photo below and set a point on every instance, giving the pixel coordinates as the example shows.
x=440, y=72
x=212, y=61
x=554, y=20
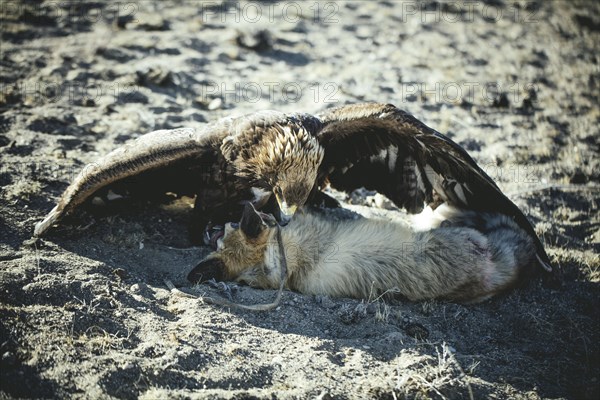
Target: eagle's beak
x=287, y=212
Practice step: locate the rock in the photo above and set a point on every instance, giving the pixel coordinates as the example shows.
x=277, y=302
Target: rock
x=122, y=20
x=215, y=104
x=578, y=178
x=325, y=301
x=150, y=22
x=134, y=96
x=114, y=54
x=501, y=101
x=155, y=76
x=258, y=41
x=135, y=288
x=9, y=358
x=210, y=104
x=120, y=273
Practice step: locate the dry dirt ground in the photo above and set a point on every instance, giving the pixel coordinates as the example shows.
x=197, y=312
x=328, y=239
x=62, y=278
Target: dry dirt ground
x=84, y=312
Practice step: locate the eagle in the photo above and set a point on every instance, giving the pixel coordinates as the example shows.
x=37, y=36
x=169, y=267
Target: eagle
x=281, y=161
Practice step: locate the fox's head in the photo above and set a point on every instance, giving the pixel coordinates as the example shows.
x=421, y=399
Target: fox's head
x=241, y=252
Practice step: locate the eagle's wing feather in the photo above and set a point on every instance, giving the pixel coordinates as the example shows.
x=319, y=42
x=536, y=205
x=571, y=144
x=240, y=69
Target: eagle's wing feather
x=383, y=148
x=218, y=163
x=154, y=151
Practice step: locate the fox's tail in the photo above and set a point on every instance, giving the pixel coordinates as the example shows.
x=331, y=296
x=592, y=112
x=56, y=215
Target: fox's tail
x=508, y=241
x=512, y=252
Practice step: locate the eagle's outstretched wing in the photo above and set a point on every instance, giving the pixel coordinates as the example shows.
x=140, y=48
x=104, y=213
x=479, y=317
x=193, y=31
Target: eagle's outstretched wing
x=224, y=164
x=153, y=151
x=383, y=148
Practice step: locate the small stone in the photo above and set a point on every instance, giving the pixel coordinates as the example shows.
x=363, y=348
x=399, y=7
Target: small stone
x=28, y=287
x=114, y=54
x=155, y=76
x=501, y=101
x=151, y=22
x=372, y=308
x=120, y=273
x=349, y=316
x=9, y=358
x=578, y=178
x=122, y=20
x=128, y=365
x=132, y=96
x=261, y=40
x=325, y=301
x=215, y=104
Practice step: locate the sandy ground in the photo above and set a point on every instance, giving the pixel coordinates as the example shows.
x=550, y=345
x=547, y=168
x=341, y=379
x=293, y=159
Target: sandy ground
x=84, y=313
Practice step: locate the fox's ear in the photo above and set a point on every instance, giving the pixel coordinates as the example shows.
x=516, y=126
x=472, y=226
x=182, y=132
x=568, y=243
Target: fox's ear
x=211, y=268
x=251, y=224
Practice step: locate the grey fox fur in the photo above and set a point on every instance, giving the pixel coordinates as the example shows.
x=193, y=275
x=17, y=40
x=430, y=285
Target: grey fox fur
x=463, y=256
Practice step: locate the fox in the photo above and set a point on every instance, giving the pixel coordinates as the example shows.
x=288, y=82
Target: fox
x=460, y=255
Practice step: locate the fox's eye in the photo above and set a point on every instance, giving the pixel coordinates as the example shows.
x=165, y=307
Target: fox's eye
x=235, y=225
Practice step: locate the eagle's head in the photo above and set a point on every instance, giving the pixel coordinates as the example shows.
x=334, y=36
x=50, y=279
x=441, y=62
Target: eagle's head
x=281, y=157
x=288, y=163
